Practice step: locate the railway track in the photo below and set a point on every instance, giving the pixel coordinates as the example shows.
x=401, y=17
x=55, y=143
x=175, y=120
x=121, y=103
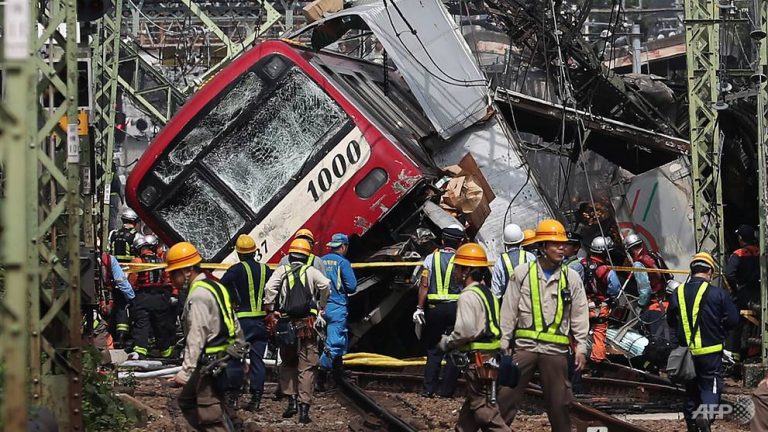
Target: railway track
x=375, y=416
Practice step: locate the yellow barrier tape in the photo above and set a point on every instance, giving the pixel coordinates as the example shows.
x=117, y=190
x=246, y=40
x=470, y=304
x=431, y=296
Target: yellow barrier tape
x=648, y=270
x=139, y=267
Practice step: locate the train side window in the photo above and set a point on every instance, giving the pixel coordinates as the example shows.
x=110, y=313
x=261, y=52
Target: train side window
x=372, y=182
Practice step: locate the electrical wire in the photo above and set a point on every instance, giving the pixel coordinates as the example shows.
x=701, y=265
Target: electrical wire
x=149, y=20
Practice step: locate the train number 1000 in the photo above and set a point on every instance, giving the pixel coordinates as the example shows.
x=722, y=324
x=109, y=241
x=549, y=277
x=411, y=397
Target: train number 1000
x=339, y=165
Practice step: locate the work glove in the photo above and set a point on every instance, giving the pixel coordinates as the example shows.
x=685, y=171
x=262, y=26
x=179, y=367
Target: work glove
x=320, y=323
x=174, y=301
x=418, y=316
x=443, y=344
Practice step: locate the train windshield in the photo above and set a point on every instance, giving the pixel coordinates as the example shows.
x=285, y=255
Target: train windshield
x=246, y=148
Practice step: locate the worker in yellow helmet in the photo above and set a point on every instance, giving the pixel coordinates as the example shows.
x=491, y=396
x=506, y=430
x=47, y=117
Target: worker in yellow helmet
x=313, y=260
x=296, y=295
x=702, y=315
x=213, y=340
x=544, y=306
x=476, y=332
x=246, y=281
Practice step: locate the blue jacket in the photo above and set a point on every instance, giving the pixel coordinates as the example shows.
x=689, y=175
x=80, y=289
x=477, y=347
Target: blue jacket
x=343, y=280
x=717, y=313
x=120, y=280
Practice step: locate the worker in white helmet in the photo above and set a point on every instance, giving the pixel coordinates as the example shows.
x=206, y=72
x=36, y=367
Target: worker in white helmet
x=513, y=257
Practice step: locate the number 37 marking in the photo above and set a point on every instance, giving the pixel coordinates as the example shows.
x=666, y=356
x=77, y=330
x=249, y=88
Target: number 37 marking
x=326, y=177
x=262, y=247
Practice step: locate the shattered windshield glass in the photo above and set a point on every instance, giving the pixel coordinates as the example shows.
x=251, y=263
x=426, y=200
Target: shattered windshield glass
x=269, y=141
x=227, y=108
x=201, y=215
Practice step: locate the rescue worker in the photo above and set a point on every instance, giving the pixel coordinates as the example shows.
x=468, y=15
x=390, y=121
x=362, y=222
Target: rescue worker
x=213, y=339
x=121, y=240
x=154, y=243
x=742, y=270
x=313, y=260
x=245, y=282
x=651, y=286
x=152, y=308
x=436, y=310
x=513, y=257
x=544, y=304
x=477, y=334
x=702, y=314
x=602, y=287
x=297, y=374
x=116, y=308
x=529, y=241
x=343, y=283
x=572, y=249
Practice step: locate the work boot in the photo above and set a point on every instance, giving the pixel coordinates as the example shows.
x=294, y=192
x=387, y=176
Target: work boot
x=232, y=400
x=255, y=403
x=690, y=425
x=304, y=414
x=291, y=409
x=703, y=423
x=322, y=379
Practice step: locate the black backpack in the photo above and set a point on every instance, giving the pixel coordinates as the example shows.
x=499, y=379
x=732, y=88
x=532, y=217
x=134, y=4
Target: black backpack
x=659, y=347
x=121, y=242
x=298, y=301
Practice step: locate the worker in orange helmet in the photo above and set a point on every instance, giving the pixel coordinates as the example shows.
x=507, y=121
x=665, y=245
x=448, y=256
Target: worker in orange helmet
x=529, y=241
x=313, y=260
x=213, y=340
x=477, y=333
x=544, y=306
x=295, y=295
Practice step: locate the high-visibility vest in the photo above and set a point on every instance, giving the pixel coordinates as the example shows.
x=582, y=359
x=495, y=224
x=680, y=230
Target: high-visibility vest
x=521, y=259
x=694, y=341
x=253, y=307
x=490, y=339
x=440, y=278
x=537, y=332
x=302, y=279
x=226, y=335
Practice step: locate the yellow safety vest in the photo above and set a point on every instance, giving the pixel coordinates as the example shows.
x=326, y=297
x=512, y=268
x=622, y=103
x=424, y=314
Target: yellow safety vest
x=521, y=259
x=537, y=332
x=491, y=339
x=694, y=341
x=442, y=283
x=256, y=299
x=226, y=335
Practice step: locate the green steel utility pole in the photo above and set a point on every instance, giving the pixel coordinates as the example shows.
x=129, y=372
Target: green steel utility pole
x=702, y=40
x=18, y=127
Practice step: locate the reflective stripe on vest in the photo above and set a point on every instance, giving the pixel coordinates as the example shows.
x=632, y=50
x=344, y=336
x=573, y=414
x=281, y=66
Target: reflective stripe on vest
x=491, y=340
x=521, y=259
x=694, y=341
x=302, y=279
x=442, y=284
x=537, y=332
x=310, y=259
x=256, y=298
x=226, y=334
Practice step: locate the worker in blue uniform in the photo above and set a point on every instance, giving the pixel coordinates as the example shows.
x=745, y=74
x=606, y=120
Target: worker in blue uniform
x=343, y=283
x=702, y=314
x=245, y=282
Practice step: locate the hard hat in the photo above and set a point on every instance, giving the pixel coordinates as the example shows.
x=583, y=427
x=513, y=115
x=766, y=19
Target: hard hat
x=632, y=240
x=305, y=233
x=139, y=241
x=574, y=237
x=550, y=230
x=513, y=234
x=245, y=244
x=471, y=255
x=672, y=286
x=152, y=240
x=129, y=215
x=300, y=246
x=601, y=245
x=703, y=258
x=182, y=255
x=529, y=237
